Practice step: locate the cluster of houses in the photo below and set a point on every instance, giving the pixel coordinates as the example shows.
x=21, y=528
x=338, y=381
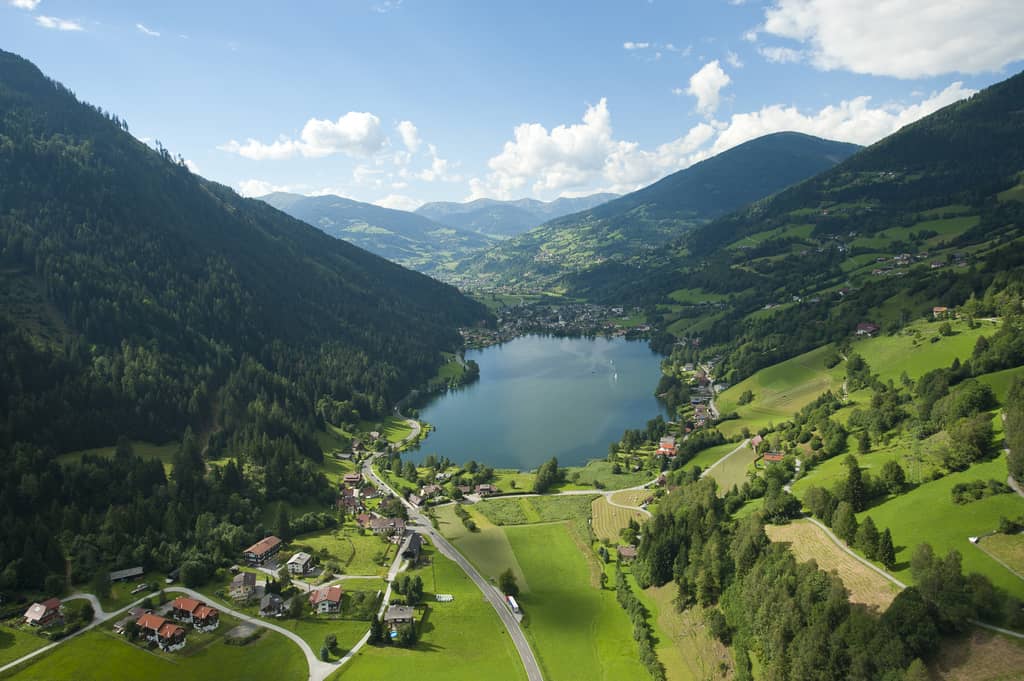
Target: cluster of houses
x=168, y=633
x=887, y=267
x=353, y=494
x=769, y=456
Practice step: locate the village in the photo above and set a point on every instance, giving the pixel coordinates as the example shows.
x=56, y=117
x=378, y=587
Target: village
x=570, y=319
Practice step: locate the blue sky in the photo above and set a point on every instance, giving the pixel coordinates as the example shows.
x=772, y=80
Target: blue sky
x=404, y=101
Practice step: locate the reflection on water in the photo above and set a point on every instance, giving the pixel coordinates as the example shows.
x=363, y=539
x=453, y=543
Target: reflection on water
x=541, y=396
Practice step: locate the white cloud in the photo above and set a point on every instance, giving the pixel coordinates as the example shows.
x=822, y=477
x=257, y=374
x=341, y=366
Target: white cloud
x=853, y=120
x=57, y=23
x=261, y=188
x=387, y=6
x=630, y=45
x=410, y=136
x=192, y=166
x=399, y=202
x=706, y=85
x=678, y=91
x=356, y=134
x=24, y=4
x=148, y=31
x=734, y=60
x=438, y=170
x=585, y=157
x=781, y=55
x=903, y=38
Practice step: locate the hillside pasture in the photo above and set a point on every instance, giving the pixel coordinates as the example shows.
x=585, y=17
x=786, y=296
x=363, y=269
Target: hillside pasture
x=488, y=549
x=147, y=450
x=609, y=520
x=911, y=350
x=1008, y=548
x=979, y=656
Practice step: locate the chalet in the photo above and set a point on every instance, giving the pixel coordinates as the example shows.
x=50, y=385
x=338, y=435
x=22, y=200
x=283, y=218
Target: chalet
x=326, y=599
x=415, y=499
x=262, y=551
x=773, y=457
x=387, y=526
x=486, y=490
x=243, y=586
x=755, y=442
x=43, y=614
x=168, y=635
x=411, y=548
x=667, y=446
x=271, y=605
x=300, y=564
x=628, y=552
x=867, y=329
x=939, y=312
x=352, y=478
x=430, y=491
x=126, y=574
x=397, y=615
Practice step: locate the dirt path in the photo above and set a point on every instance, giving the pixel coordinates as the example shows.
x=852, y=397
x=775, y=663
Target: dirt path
x=722, y=460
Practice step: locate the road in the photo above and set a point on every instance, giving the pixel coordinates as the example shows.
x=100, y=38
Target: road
x=422, y=524
x=712, y=466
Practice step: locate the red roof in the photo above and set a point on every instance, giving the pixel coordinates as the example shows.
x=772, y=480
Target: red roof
x=264, y=545
x=51, y=603
x=204, y=612
x=186, y=604
x=169, y=630
x=773, y=456
x=331, y=593
x=151, y=621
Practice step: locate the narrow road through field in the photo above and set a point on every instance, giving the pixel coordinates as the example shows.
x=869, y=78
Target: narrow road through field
x=423, y=525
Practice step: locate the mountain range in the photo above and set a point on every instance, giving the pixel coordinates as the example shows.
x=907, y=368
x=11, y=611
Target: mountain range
x=637, y=223
x=504, y=219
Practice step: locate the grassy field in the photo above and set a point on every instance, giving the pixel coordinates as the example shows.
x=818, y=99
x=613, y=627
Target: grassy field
x=15, y=644
x=357, y=554
x=101, y=655
x=608, y=520
x=600, y=471
x=912, y=351
x=733, y=471
x=488, y=549
x=525, y=510
x=779, y=391
x=313, y=630
x=576, y=629
x=1000, y=381
x=147, y=450
x=979, y=656
x=912, y=518
x=807, y=541
x=392, y=428
x=684, y=646
x=1008, y=548
x=710, y=455
x=459, y=641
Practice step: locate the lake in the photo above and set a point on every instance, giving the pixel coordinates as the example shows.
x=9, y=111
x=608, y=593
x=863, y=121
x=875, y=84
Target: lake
x=542, y=396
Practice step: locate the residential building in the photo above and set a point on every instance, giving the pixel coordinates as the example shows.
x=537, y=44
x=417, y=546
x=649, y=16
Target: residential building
x=430, y=491
x=300, y=564
x=271, y=605
x=243, y=586
x=326, y=599
x=486, y=490
x=43, y=614
x=353, y=478
x=168, y=635
x=412, y=547
x=397, y=615
x=627, y=553
x=667, y=446
x=262, y=551
x=387, y=526
x=867, y=329
x=773, y=457
x=195, y=612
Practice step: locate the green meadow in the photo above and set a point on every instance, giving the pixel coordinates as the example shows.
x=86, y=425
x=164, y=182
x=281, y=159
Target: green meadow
x=15, y=643
x=488, y=548
x=147, y=450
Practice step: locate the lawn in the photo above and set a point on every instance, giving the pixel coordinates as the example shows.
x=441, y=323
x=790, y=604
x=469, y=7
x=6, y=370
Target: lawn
x=314, y=629
x=708, y=456
x=1000, y=381
x=608, y=520
x=460, y=641
x=1008, y=548
x=779, y=391
x=913, y=519
x=101, y=655
x=357, y=554
x=807, y=541
x=912, y=351
x=525, y=510
x=733, y=471
x=393, y=428
x=147, y=450
x=576, y=629
x=599, y=472
x=15, y=643
x=488, y=549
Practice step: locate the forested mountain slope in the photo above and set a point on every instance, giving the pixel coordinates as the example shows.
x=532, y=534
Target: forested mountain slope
x=400, y=236
x=638, y=223
x=505, y=219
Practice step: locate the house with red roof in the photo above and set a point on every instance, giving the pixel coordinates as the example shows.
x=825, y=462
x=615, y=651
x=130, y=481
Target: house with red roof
x=195, y=612
x=262, y=551
x=44, y=614
x=667, y=446
x=773, y=457
x=326, y=599
x=166, y=634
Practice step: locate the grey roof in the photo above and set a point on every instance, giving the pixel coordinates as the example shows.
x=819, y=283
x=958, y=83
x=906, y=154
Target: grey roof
x=244, y=579
x=270, y=600
x=126, y=573
x=398, y=612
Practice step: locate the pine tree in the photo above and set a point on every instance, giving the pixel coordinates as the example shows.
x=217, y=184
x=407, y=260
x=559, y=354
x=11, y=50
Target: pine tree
x=376, y=631
x=867, y=538
x=844, y=522
x=886, y=553
x=284, y=524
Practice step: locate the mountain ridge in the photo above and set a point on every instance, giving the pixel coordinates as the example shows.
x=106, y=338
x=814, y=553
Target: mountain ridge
x=504, y=219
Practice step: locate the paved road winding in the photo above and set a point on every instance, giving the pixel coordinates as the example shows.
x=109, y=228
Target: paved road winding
x=423, y=525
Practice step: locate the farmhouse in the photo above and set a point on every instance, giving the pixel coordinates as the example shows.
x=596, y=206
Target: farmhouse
x=667, y=446
x=43, y=614
x=485, y=490
x=263, y=550
x=867, y=329
x=353, y=478
x=126, y=574
x=168, y=635
x=243, y=586
x=939, y=312
x=397, y=615
x=387, y=526
x=627, y=553
x=300, y=564
x=326, y=599
x=271, y=605
x=430, y=491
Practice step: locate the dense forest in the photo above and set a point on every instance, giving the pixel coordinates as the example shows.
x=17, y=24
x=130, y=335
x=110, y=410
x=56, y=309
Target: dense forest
x=142, y=301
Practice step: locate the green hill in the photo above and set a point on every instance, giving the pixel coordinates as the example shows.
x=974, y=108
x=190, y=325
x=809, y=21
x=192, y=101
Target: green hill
x=140, y=299
x=400, y=236
x=504, y=219
x=635, y=225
